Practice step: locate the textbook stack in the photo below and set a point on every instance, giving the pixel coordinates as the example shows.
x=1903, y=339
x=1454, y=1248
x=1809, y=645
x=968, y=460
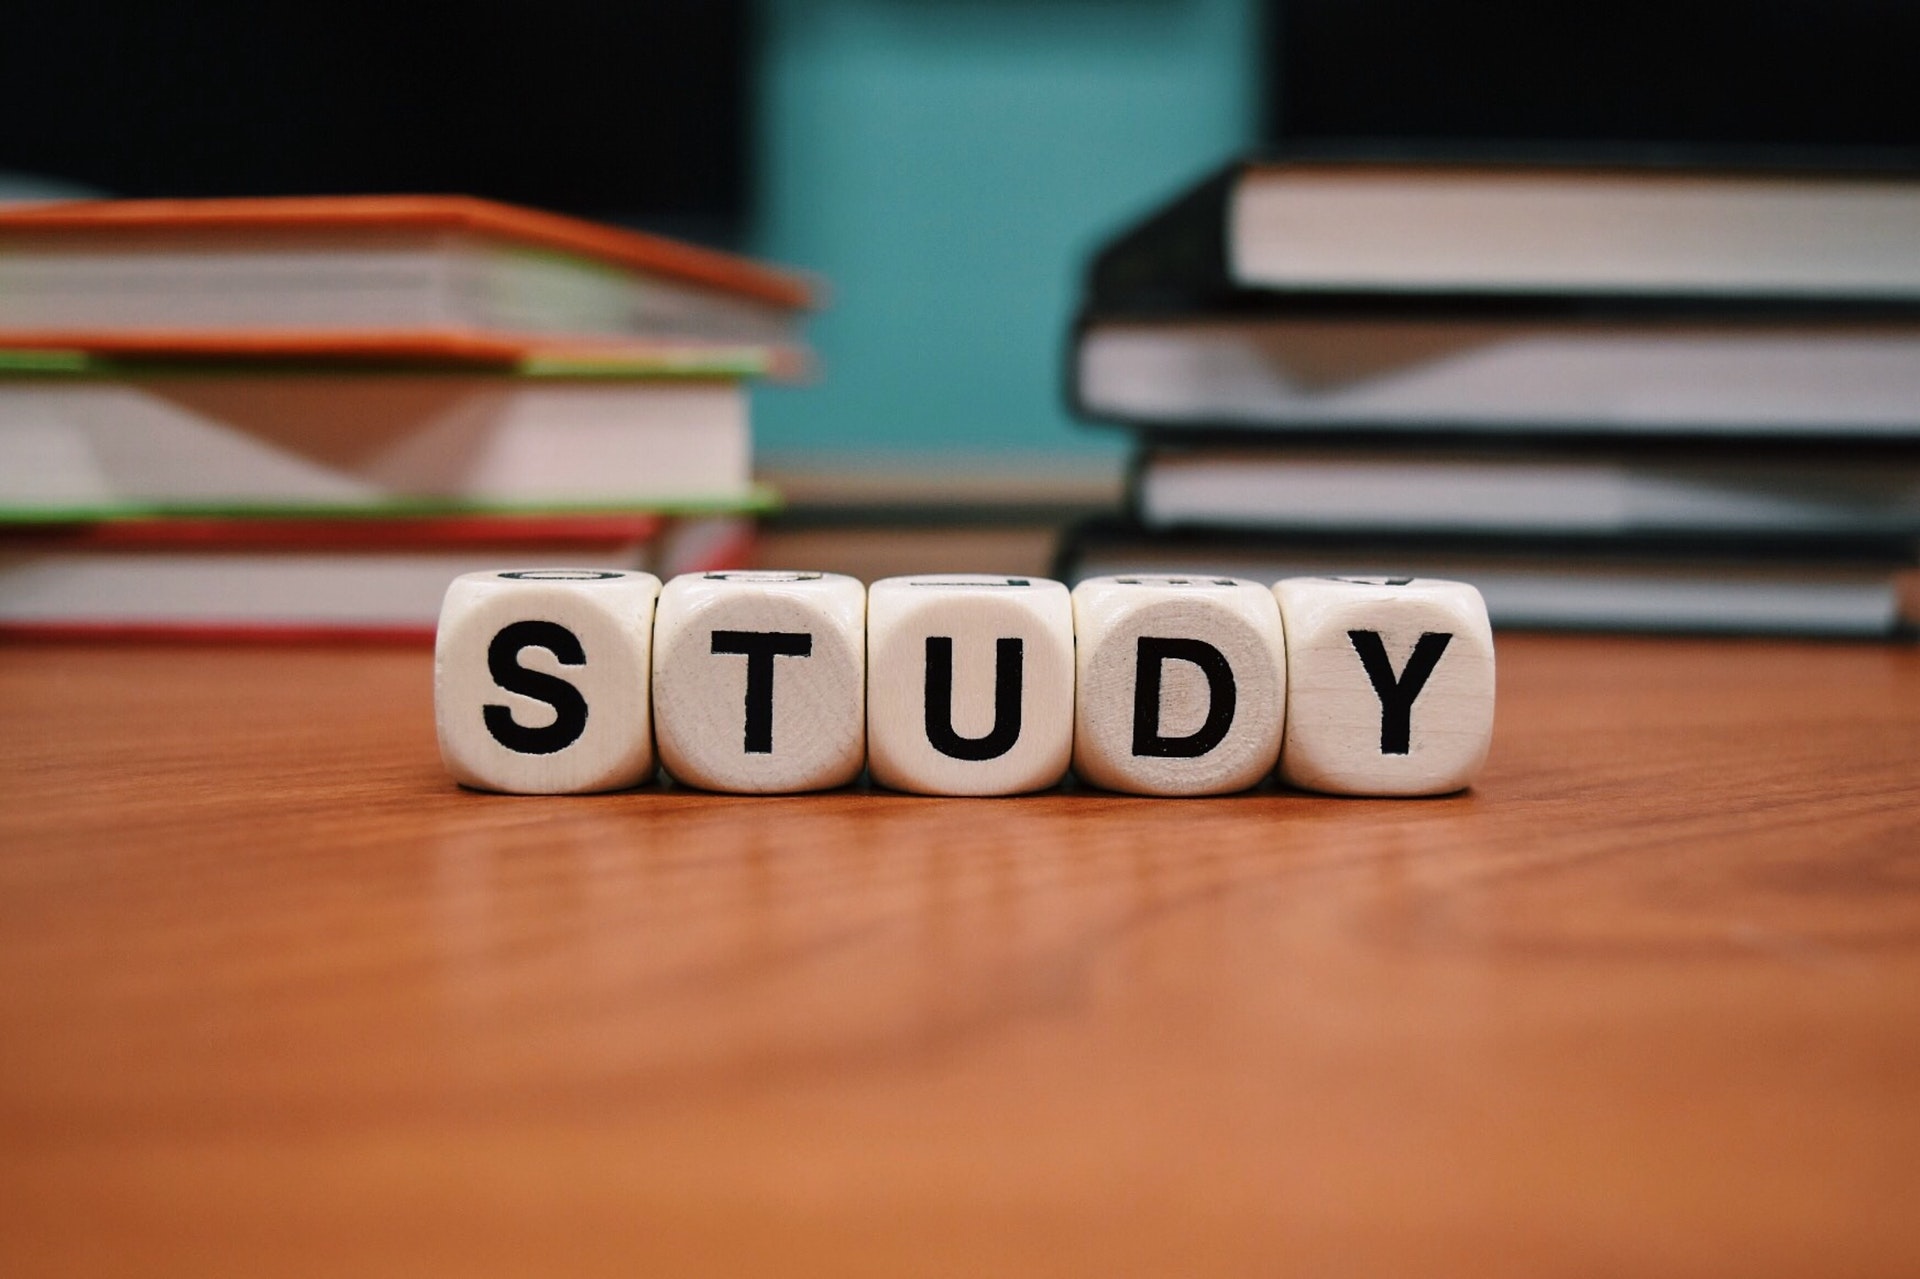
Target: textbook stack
x=297, y=416
x=1627, y=397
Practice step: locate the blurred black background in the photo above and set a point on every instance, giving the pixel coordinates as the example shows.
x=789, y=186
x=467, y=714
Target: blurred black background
x=1764, y=80
x=642, y=112
x=636, y=112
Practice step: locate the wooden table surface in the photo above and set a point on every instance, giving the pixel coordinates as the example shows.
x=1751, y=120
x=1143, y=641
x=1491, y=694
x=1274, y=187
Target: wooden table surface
x=279, y=999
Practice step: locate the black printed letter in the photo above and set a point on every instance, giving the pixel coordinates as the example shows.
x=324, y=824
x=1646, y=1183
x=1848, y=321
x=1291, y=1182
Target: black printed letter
x=760, y=648
x=1146, y=697
x=1008, y=665
x=569, y=708
x=1396, y=696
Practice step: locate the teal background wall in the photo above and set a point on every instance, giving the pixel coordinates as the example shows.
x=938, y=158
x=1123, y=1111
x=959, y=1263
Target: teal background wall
x=947, y=165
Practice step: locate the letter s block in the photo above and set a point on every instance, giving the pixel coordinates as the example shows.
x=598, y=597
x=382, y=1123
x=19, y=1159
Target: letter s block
x=969, y=684
x=759, y=680
x=1182, y=685
x=1390, y=685
x=541, y=680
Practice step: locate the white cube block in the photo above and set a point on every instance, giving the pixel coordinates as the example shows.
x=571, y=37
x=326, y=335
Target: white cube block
x=1389, y=685
x=969, y=684
x=541, y=680
x=759, y=680
x=1182, y=685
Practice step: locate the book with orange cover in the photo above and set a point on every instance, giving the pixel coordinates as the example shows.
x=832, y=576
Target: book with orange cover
x=408, y=277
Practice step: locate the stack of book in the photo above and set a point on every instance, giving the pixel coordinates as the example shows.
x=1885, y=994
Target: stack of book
x=290, y=416
x=1630, y=397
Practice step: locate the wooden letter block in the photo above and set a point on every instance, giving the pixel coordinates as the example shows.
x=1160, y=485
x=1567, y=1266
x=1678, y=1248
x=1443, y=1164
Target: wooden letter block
x=969, y=684
x=1182, y=687
x=759, y=681
x=1390, y=685
x=540, y=680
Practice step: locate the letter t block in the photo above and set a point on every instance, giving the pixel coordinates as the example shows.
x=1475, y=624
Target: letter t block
x=759, y=681
x=1390, y=685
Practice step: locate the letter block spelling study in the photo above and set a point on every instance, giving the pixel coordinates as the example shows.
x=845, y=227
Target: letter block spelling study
x=759, y=681
x=551, y=681
x=541, y=680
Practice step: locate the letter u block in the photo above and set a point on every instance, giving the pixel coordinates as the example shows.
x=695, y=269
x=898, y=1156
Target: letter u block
x=541, y=680
x=759, y=681
x=969, y=684
x=1390, y=685
x=1182, y=685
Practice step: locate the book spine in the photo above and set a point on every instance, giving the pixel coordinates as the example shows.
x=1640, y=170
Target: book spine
x=1174, y=261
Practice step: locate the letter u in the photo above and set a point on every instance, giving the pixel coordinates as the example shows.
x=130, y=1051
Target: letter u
x=1008, y=666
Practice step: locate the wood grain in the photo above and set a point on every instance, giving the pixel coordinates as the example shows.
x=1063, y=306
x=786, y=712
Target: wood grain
x=278, y=999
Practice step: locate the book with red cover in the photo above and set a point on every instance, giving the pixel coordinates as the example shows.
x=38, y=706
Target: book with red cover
x=300, y=579
x=408, y=277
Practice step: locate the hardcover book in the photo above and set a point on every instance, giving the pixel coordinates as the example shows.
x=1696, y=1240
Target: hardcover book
x=1591, y=490
x=424, y=277
x=92, y=438
x=1286, y=227
x=300, y=579
x=1721, y=587
x=1508, y=371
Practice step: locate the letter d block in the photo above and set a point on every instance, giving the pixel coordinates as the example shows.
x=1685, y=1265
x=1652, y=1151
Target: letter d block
x=1390, y=685
x=969, y=684
x=540, y=680
x=759, y=681
x=1182, y=687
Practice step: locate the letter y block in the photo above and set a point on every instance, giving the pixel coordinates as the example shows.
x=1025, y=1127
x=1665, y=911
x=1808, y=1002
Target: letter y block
x=1390, y=685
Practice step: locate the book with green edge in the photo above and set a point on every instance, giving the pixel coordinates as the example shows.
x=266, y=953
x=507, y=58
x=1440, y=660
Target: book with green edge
x=87, y=437
x=678, y=362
